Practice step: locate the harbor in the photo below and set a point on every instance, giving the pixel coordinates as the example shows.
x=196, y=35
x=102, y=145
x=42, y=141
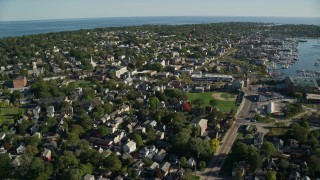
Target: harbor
x=296, y=58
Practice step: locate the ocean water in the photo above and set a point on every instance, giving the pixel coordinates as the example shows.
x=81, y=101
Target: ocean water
x=20, y=28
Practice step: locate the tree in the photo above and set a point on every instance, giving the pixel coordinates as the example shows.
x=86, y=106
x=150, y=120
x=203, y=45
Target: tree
x=5, y=166
x=213, y=102
x=178, y=117
x=86, y=168
x=85, y=121
x=67, y=159
x=108, y=107
x=151, y=134
x=16, y=95
x=154, y=103
x=31, y=151
x=255, y=162
x=198, y=102
x=268, y=148
x=271, y=175
x=103, y=131
x=77, y=129
x=183, y=161
x=138, y=139
x=215, y=143
x=314, y=164
x=239, y=151
x=112, y=163
x=202, y=165
x=73, y=139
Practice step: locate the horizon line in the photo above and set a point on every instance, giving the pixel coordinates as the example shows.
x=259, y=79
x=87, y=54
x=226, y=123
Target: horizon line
x=84, y=18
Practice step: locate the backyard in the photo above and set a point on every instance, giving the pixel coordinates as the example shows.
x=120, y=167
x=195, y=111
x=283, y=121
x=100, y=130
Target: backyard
x=7, y=115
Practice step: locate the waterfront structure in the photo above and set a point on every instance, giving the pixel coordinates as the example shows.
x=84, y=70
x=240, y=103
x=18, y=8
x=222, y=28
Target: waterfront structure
x=302, y=85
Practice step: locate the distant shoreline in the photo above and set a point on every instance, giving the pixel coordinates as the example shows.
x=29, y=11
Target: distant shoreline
x=29, y=27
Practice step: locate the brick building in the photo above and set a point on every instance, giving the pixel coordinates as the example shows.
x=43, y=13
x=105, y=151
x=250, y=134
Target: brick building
x=19, y=82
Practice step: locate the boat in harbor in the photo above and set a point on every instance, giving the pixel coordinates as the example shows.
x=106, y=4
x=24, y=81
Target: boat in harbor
x=317, y=63
x=302, y=40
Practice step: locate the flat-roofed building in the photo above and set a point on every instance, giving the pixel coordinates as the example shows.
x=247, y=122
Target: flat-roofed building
x=313, y=98
x=19, y=82
x=211, y=77
x=302, y=85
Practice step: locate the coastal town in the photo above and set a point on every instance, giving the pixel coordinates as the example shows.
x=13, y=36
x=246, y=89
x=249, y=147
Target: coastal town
x=204, y=101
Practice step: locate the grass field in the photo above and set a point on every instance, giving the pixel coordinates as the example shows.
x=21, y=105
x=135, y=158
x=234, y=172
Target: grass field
x=195, y=178
x=7, y=115
x=277, y=131
x=227, y=95
x=83, y=83
x=224, y=106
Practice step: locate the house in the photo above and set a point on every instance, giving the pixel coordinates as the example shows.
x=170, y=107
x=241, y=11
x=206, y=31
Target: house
x=278, y=143
x=152, y=124
x=198, y=89
x=121, y=70
x=305, y=178
x=258, y=139
x=67, y=111
x=160, y=156
x=179, y=173
x=36, y=111
x=294, y=175
x=153, y=166
x=126, y=156
x=313, y=98
x=236, y=171
x=314, y=120
x=191, y=162
x=2, y=135
x=110, y=57
x=129, y=147
x=21, y=149
x=291, y=145
x=50, y=111
x=107, y=143
x=88, y=177
x=165, y=168
x=186, y=107
x=237, y=84
x=46, y=155
x=143, y=152
x=202, y=124
x=16, y=161
x=160, y=135
x=125, y=108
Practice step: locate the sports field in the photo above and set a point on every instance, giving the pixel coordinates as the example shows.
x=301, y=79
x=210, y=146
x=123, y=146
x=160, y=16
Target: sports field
x=226, y=101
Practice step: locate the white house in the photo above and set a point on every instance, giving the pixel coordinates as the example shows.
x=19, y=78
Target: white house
x=50, y=111
x=129, y=147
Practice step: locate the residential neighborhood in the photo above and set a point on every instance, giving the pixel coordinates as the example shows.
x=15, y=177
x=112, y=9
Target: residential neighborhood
x=157, y=102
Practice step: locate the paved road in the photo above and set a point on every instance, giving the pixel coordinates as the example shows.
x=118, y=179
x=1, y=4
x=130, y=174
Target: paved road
x=212, y=172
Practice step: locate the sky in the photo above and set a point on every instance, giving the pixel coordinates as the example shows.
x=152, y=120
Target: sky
x=16, y=10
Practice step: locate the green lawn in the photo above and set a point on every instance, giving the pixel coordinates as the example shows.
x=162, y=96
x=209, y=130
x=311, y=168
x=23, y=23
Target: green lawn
x=195, y=178
x=224, y=106
x=7, y=115
x=83, y=83
x=277, y=131
x=227, y=95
